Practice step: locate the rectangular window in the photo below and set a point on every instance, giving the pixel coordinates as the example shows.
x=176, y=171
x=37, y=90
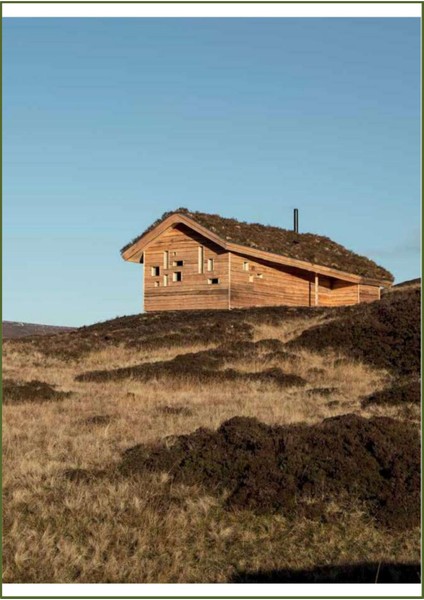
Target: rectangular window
x=166, y=259
x=250, y=278
x=259, y=275
x=177, y=276
x=178, y=263
x=245, y=266
x=200, y=259
x=165, y=280
x=157, y=284
x=155, y=271
x=213, y=281
x=210, y=264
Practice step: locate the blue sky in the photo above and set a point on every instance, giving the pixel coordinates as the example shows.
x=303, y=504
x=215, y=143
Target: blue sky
x=108, y=123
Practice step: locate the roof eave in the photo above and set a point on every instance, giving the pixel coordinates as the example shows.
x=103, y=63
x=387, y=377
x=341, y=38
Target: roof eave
x=134, y=252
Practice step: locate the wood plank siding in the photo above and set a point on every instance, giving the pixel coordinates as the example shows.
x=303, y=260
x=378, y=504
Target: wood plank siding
x=195, y=289
x=259, y=283
x=265, y=284
x=368, y=293
x=185, y=270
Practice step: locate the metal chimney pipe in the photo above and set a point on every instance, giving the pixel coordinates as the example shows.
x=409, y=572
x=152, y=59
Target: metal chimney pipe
x=296, y=220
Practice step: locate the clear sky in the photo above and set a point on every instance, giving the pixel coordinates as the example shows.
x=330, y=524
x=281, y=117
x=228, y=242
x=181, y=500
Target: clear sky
x=108, y=123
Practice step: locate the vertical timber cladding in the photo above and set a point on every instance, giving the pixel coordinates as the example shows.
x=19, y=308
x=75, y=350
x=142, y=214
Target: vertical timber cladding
x=256, y=282
x=203, y=286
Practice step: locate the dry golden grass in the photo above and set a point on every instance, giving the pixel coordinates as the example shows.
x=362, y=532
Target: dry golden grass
x=142, y=530
x=289, y=329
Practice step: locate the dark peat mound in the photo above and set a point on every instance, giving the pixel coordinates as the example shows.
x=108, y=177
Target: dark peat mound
x=207, y=366
x=297, y=470
x=20, y=392
x=385, y=334
x=169, y=329
x=404, y=393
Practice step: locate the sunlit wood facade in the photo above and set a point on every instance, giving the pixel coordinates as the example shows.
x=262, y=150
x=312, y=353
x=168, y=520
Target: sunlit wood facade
x=188, y=267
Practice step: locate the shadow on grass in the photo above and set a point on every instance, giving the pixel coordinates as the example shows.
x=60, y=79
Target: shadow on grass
x=343, y=573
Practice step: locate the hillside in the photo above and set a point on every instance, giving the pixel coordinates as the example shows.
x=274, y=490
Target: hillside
x=410, y=283
x=16, y=329
x=216, y=446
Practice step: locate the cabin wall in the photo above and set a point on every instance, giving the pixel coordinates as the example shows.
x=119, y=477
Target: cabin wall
x=262, y=284
x=267, y=284
x=193, y=291
x=325, y=291
x=344, y=293
x=369, y=293
x=334, y=292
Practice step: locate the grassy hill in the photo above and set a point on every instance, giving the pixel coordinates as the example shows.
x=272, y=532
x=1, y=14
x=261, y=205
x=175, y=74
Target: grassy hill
x=15, y=329
x=216, y=446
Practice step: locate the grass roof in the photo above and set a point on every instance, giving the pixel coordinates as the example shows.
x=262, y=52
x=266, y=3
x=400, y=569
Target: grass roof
x=310, y=247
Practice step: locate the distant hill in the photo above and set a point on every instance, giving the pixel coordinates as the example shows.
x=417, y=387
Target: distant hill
x=15, y=329
x=411, y=282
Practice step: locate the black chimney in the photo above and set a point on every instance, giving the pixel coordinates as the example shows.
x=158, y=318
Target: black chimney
x=296, y=221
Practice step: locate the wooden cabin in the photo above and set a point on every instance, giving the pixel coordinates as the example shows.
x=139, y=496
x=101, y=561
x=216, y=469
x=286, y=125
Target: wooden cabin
x=195, y=260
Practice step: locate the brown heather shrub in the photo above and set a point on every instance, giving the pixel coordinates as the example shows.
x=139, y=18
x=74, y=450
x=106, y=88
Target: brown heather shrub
x=385, y=334
x=206, y=366
x=165, y=330
x=360, y=572
x=297, y=470
x=401, y=393
x=19, y=392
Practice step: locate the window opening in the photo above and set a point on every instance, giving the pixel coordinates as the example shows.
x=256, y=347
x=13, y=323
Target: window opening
x=200, y=260
x=177, y=276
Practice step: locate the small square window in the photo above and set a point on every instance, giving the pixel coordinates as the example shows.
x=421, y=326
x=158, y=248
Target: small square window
x=155, y=271
x=213, y=281
x=157, y=284
x=178, y=263
x=177, y=276
x=260, y=275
